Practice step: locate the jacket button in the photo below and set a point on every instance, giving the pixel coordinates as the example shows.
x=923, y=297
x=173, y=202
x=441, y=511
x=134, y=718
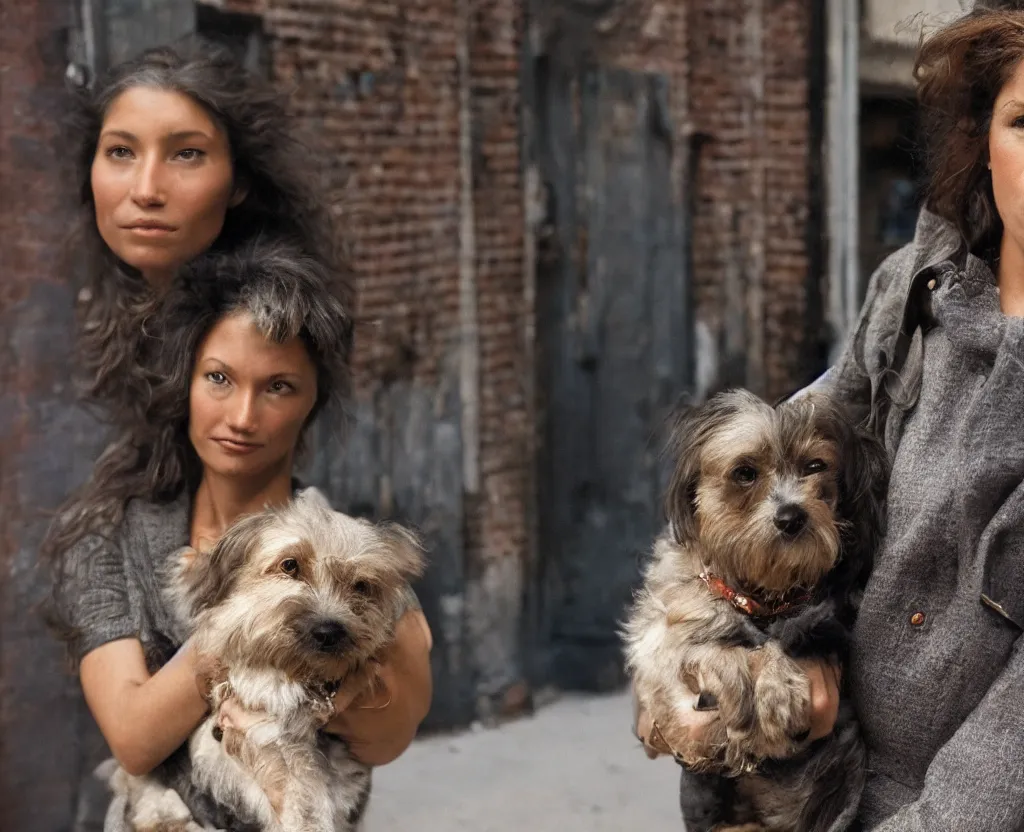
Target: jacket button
x=917, y=619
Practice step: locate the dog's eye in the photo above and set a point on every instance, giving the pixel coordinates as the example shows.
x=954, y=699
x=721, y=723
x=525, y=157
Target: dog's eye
x=362, y=587
x=744, y=474
x=290, y=566
x=815, y=466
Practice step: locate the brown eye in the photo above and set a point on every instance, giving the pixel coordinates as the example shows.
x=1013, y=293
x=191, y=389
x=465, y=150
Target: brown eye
x=290, y=567
x=362, y=587
x=815, y=466
x=744, y=474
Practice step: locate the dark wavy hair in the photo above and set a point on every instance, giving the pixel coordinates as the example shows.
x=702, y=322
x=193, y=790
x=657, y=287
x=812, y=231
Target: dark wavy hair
x=283, y=200
x=960, y=70
x=281, y=287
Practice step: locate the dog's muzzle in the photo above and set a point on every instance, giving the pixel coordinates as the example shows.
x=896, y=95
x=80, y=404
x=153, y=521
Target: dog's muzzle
x=790, y=519
x=329, y=636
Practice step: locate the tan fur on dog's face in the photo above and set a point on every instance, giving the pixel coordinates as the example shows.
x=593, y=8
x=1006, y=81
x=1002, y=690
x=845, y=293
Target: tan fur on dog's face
x=306, y=590
x=766, y=493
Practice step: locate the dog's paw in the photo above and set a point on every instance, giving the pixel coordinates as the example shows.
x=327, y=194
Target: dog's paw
x=188, y=559
x=782, y=701
x=233, y=740
x=212, y=679
x=161, y=810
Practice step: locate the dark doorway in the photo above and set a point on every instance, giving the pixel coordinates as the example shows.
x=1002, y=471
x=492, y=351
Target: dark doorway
x=613, y=354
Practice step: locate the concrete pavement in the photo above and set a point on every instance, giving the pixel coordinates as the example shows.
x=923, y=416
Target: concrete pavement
x=572, y=767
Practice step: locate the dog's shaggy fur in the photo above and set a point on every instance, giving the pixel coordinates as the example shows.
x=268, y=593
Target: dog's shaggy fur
x=288, y=604
x=784, y=505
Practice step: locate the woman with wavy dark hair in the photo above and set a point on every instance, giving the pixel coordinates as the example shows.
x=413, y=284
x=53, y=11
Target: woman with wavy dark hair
x=185, y=155
x=179, y=150
x=936, y=365
x=251, y=352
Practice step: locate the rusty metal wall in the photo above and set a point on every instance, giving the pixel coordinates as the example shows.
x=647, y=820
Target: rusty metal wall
x=46, y=444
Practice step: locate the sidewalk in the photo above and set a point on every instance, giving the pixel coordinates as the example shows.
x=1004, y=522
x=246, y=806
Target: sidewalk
x=572, y=767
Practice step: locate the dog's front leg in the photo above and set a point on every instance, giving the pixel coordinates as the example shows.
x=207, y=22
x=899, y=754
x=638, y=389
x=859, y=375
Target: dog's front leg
x=288, y=773
x=306, y=805
x=723, y=675
x=782, y=700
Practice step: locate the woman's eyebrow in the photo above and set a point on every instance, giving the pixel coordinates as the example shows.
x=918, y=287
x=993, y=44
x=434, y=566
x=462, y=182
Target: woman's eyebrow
x=121, y=134
x=189, y=134
x=178, y=135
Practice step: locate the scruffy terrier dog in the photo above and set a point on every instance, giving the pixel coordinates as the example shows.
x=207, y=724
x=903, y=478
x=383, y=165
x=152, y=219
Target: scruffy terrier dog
x=288, y=604
x=774, y=515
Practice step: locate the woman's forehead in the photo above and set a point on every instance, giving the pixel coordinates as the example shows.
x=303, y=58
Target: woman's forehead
x=1013, y=89
x=154, y=112
x=235, y=340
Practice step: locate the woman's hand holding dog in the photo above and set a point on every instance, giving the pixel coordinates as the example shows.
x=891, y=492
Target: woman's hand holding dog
x=825, y=682
x=823, y=678
x=380, y=727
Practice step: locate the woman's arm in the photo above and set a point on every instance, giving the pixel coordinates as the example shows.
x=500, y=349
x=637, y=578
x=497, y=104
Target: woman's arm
x=143, y=718
x=378, y=730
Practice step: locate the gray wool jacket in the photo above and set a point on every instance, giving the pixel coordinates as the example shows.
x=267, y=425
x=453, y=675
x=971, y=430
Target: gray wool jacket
x=937, y=671
x=937, y=664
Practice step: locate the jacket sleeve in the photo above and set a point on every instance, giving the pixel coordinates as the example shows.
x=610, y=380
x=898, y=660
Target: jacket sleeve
x=976, y=780
x=95, y=599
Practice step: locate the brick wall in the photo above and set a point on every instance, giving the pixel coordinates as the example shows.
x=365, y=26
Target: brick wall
x=377, y=84
x=497, y=519
x=749, y=97
x=374, y=83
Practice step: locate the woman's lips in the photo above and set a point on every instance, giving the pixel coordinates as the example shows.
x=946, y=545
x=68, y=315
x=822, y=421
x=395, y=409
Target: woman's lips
x=149, y=228
x=235, y=447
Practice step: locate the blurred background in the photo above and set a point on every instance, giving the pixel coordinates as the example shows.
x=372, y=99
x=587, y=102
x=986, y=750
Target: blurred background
x=565, y=215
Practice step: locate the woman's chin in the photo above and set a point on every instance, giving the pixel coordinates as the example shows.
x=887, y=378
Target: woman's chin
x=155, y=265
x=238, y=467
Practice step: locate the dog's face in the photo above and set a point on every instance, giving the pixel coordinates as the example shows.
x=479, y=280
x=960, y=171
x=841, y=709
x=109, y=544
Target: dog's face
x=772, y=494
x=304, y=589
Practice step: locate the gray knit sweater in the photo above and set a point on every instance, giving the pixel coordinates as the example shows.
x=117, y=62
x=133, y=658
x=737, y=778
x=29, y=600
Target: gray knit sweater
x=114, y=590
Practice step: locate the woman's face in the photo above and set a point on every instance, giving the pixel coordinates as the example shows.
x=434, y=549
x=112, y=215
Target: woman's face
x=1006, y=158
x=162, y=180
x=249, y=400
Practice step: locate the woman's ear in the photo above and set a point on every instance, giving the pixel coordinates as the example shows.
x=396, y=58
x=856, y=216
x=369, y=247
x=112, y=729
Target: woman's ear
x=239, y=194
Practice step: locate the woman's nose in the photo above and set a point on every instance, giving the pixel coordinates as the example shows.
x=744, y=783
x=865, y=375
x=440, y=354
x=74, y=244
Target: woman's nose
x=242, y=416
x=147, y=186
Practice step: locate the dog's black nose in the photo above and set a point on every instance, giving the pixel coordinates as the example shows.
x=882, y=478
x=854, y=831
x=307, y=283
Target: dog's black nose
x=790, y=520
x=328, y=635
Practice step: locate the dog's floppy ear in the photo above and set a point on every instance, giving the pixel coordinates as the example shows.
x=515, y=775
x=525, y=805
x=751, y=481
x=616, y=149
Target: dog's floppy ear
x=211, y=576
x=691, y=429
x=405, y=550
x=865, y=486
